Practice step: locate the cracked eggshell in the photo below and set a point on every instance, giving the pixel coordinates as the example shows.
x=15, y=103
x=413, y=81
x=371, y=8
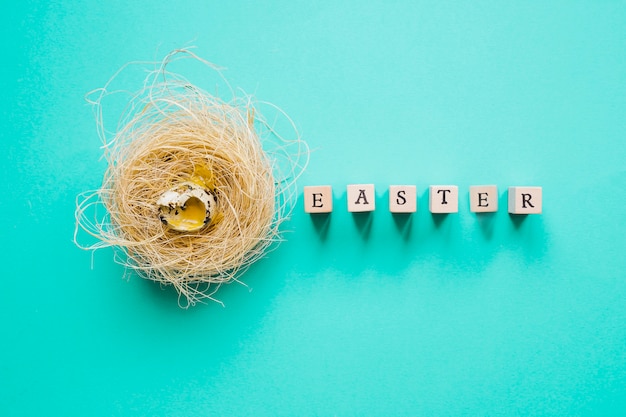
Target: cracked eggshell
x=186, y=207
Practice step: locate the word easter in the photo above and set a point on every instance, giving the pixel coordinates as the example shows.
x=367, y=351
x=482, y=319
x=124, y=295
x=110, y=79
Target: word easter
x=442, y=199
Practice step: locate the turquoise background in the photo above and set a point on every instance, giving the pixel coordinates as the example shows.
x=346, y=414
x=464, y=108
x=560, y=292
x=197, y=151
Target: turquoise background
x=421, y=315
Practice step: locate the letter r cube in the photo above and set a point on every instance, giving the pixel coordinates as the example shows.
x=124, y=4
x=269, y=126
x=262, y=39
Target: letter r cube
x=525, y=200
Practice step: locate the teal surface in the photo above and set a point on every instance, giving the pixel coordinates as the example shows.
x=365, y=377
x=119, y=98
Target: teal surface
x=463, y=315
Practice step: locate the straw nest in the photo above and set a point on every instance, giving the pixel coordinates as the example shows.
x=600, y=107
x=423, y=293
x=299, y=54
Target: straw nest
x=171, y=132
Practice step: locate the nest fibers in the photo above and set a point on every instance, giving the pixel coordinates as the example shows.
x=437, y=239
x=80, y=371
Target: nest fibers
x=174, y=137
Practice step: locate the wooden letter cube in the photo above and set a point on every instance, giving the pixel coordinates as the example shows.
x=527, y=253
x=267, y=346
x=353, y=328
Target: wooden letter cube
x=525, y=200
x=318, y=199
x=402, y=198
x=483, y=198
x=444, y=199
x=361, y=197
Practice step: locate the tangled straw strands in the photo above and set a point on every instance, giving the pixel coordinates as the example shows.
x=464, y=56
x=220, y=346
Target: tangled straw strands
x=170, y=131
